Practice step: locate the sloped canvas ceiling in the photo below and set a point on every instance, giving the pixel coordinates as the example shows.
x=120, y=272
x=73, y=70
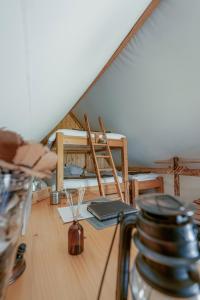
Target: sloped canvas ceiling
x=151, y=92
x=50, y=53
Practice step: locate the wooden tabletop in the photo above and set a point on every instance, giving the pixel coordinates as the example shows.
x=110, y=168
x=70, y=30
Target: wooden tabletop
x=52, y=273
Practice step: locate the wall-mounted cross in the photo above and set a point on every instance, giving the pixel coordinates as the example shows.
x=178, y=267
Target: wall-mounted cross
x=176, y=168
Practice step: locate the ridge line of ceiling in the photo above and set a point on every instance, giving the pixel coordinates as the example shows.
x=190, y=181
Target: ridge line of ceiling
x=148, y=11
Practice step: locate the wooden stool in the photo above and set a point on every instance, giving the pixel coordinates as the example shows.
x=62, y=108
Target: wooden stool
x=136, y=186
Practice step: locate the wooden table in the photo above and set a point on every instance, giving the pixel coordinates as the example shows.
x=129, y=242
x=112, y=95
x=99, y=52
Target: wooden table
x=51, y=273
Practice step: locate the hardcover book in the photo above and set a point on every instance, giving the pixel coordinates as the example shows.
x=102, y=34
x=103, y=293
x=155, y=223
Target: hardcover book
x=107, y=209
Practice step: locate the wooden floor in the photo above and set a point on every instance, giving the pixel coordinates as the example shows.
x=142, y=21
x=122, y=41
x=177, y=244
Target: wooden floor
x=55, y=275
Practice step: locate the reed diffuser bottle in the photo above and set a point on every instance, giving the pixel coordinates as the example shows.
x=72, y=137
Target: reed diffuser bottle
x=75, y=232
x=75, y=238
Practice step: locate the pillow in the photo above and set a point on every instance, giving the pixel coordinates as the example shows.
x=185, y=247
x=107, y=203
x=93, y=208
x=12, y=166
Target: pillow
x=72, y=170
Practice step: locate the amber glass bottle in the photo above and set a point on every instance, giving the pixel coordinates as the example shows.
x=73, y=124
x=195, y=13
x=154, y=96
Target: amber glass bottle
x=75, y=239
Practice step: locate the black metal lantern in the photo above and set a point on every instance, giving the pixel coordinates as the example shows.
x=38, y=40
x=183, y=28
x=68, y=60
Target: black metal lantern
x=166, y=266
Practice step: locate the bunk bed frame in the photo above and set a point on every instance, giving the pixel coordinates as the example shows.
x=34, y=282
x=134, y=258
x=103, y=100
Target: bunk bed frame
x=75, y=144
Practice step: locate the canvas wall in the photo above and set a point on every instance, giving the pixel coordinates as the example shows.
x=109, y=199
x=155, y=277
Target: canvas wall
x=51, y=50
x=151, y=93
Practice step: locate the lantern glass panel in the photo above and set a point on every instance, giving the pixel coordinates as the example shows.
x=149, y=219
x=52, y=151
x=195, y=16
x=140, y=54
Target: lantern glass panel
x=141, y=290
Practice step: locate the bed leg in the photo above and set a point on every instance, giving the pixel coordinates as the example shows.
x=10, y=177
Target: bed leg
x=60, y=162
x=161, y=188
x=134, y=191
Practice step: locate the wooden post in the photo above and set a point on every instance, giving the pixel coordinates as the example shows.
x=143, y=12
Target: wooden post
x=176, y=176
x=60, y=162
x=161, y=187
x=124, y=160
x=134, y=191
x=86, y=165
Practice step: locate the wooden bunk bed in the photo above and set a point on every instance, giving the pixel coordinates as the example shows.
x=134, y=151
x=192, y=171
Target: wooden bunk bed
x=142, y=182
x=75, y=141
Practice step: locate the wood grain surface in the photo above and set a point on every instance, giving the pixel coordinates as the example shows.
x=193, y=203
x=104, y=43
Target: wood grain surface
x=51, y=273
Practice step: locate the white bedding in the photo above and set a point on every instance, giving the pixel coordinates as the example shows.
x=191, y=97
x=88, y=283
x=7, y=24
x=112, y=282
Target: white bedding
x=80, y=133
x=85, y=182
x=143, y=177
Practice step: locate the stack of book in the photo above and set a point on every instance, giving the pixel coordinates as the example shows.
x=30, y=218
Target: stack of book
x=197, y=211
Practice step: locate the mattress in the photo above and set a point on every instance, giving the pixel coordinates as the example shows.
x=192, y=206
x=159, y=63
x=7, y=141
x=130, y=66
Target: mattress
x=143, y=177
x=86, y=182
x=81, y=133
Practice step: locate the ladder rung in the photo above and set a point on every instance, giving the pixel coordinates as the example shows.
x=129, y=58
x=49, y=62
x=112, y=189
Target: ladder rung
x=99, y=144
x=106, y=169
x=103, y=147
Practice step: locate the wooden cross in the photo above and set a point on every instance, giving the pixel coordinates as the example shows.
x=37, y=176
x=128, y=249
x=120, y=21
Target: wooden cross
x=176, y=169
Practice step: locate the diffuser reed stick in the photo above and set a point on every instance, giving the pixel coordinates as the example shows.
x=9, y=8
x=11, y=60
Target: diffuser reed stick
x=75, y=232
x=69, y=195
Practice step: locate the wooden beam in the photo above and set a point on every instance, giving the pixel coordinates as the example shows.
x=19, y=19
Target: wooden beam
x=181, y=161
x=184, y=171
x=124, y=161
x=189, y=161
x=60, y=162
x=60, y=126
x=73, y=116
x=176, y=177
x=143, y=169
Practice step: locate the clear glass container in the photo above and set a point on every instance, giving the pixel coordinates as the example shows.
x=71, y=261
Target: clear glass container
x=141, y=290
x=167, y=263
x=14, y=189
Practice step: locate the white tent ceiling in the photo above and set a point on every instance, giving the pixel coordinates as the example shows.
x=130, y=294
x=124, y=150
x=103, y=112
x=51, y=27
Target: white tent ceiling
x=50, y=53
x=151, y=92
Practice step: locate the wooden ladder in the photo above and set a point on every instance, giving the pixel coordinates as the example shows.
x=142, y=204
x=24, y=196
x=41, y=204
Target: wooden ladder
x=107, y=156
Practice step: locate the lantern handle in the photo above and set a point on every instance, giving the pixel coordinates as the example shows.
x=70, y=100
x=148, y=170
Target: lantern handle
x=127, y=224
